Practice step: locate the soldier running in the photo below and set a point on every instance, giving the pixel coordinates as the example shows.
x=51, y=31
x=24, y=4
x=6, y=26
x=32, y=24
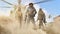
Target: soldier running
x=41, y=18
x=30, y=14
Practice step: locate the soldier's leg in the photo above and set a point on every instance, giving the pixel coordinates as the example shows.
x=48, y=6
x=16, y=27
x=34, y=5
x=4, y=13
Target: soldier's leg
x=27, y=21
x=40, y=23
x=20, y=20
x=34, y=25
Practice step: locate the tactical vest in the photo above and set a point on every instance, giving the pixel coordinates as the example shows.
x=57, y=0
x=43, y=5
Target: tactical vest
x=31, y=11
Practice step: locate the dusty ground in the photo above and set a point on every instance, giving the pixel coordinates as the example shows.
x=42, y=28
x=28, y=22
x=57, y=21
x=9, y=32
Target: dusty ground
x=9, y=25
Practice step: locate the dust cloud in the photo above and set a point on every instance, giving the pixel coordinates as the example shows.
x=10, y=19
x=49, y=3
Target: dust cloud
x=9, y=25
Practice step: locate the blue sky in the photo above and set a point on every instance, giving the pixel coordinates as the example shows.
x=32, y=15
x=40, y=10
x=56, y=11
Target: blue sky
x=52, y=7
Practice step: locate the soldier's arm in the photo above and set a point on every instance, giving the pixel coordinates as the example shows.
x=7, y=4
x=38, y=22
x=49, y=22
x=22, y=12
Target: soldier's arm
x=25, y=18
x=27, y=10
x=26, y=15
x=44, y=18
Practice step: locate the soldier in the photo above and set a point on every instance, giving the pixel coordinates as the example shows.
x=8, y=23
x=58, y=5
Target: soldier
x=30, y=14
x=19, y=15
x=41, y=18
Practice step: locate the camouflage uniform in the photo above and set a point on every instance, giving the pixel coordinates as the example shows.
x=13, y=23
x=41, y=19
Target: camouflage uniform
x=41, y=18
x=30, y=15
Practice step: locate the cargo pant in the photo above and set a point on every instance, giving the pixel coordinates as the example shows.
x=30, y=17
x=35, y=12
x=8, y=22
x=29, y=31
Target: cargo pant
x=20, y=19
x=30, y=19
x=40, y=23
x=42, y=20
